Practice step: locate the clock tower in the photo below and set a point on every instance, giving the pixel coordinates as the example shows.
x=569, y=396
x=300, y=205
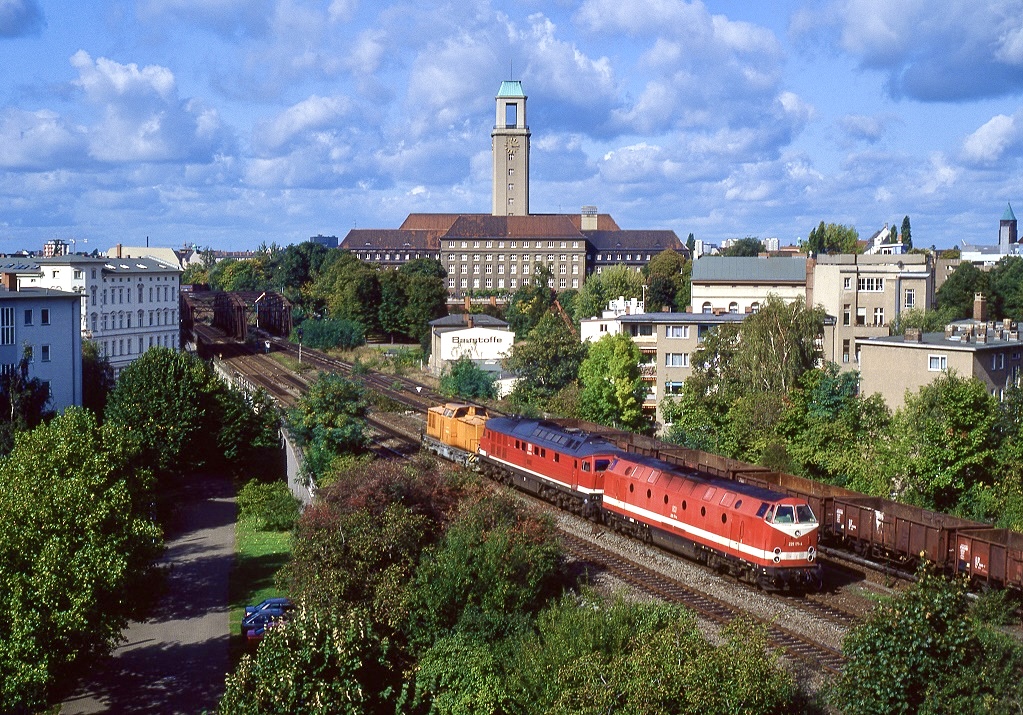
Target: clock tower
x=510, y=146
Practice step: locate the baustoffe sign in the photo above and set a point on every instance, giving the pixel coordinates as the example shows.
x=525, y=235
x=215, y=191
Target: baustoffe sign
x=476, y=343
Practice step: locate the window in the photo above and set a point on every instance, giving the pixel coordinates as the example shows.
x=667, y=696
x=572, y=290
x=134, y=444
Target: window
x=733, y=307
x=937, y=363
x=754, y=307
x=846, y=314
x=878, y=316
x=998, y=361
x=44, y=353
x=6, y=326
x=707, y=308
x=910, y=300
x=673, y=388
x=845, y=351
x=870, y=285
x=861, y=316
x=44, y=316
x=676, y=359
x=676, y=331
x=28, y=317
x=847, y=283
x=562, y=283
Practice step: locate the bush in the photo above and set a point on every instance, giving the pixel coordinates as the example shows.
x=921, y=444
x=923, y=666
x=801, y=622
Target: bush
x=330, y=333
x=271, y=503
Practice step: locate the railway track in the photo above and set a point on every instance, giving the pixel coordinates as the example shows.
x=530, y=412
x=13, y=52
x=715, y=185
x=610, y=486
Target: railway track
x=713, y=609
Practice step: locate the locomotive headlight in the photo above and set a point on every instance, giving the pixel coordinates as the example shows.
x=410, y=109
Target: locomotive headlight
x=811, y=549
x=798, y=532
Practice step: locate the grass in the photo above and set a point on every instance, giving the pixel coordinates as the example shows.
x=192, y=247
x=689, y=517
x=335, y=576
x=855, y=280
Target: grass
x=291, y=363
x=259, y=555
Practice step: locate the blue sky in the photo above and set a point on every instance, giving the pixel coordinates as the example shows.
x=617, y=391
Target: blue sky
x=235, y=122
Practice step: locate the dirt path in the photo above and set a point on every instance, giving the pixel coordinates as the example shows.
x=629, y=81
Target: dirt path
x=175, y=661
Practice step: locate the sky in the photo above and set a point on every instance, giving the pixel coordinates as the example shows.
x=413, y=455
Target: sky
x=233, y=123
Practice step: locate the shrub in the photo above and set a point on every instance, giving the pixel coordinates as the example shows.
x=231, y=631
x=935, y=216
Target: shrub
x=271, y=503
x=331, y=333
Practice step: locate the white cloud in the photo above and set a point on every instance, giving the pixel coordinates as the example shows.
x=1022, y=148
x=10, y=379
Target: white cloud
x=993, y=139
x=342, y=10
x=313, y=114
x=37, y=140
x=141, y=116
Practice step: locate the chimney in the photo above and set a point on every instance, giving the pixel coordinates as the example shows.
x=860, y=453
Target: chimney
x=914, y=335
x=588, y=218
x=1007, y=324
x=979, y=307
x=982, y=335
x=10, y=281
x=118, y=250
x=468, y=303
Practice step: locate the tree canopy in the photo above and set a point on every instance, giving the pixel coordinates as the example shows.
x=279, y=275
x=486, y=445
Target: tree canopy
x=831, y=238
x=956, y=294
x=600, y=288
x=464, y=378
x=612, y=389
x=750, y=246
x=546, y=361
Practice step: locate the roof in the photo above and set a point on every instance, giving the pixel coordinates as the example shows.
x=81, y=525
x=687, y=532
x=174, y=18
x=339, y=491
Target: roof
x=930, y=341
x=430, y=222
x=511, y=88
x=461, y=320
x=34, y=293
x=687, y=318
x=1008, y=215
x=533, y=226
x=731, y=269
x=604, y=222
x=390, y=239
x=656, y=240
x=110, y=265
x=547, y=434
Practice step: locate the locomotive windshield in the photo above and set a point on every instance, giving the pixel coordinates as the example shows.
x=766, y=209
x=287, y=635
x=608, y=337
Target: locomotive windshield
x=805, y=514
x=783, y=515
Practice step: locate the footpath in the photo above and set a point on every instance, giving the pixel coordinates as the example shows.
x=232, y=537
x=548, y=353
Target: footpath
x=176, y=660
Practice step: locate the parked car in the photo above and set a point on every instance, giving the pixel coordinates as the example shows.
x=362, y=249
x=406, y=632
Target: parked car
x=279, y=602
x=267, y=613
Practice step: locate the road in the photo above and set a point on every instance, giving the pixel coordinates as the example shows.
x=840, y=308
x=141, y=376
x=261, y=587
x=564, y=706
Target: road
x=175, y=661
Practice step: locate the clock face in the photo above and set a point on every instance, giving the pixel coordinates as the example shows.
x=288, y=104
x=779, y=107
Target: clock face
x=511, y=144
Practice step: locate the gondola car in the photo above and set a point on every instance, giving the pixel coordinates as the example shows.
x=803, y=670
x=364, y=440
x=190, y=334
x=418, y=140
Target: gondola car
x=563, y=466
x=758, y=535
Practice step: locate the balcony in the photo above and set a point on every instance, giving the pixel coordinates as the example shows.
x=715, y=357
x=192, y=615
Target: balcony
x=648, y=369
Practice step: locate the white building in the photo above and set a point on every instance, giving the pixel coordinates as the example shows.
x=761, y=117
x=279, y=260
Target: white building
x=128, y=304
x=727, y=284
x=610, y=323
x=43, y=325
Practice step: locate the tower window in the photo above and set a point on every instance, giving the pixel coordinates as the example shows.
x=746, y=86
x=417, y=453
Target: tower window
x=511, y=115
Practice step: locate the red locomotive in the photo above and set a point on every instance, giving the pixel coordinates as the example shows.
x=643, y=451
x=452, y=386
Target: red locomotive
x=757, y=535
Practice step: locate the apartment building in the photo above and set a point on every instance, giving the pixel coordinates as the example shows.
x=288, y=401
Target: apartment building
x=42, y=325
x=128, y=305
x=733, y=284
x=866, y=294
x=991, y=352
x=666, y=343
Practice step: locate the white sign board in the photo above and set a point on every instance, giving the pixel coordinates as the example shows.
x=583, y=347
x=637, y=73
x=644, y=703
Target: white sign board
x=476, y=343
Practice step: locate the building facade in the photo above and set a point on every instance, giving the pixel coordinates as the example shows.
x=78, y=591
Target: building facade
x=990, y=352
x=128, y=305
x=509, y=146
x=866, y=294
x=43, y=326
x=485, y=340
x=727, y=284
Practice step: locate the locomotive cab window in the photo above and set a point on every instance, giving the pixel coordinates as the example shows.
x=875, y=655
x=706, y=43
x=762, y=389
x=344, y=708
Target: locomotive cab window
x=804, y=514
x=762, y=510
x=784, y=515
x=602, y=464
x=586, y=466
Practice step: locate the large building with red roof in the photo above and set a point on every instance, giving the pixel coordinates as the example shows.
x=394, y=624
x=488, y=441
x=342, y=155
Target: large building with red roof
x=498, y=252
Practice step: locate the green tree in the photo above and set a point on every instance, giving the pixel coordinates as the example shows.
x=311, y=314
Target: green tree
x=331, y=333
x=426, y=297
x=927, y=321
x=668, y=275
x=600, y=288
x=893, y=235
x=195, y=274
x=317, y=662
x=97, y=378
x=949, y=439
x=778, y=344
x=530, y=303
x=232, y=274
x=547, y=361
x=167, y=405
x=907, y=234
x=346, y=288
x=911, y=654
x=749, y=246
x=957, y=292
x=831, y=238
x=1005, y=282
x=691, y=244
x=463, y=378
x=23, y=402
x=296, y=266
x=73, y=541
x=496, y=564
x=612, y=389
x=329, y=421
x=248, y=438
